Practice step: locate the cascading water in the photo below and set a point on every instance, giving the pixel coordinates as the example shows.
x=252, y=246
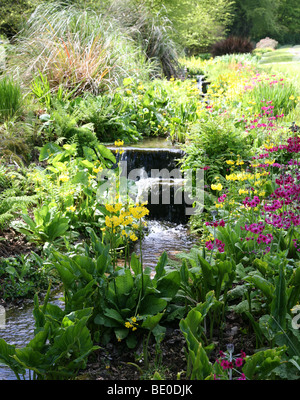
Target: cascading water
x=153, y=164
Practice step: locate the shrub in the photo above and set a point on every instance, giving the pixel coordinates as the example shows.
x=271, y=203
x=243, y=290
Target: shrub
x=232, y=45
x=267, y=43
x=210, y=143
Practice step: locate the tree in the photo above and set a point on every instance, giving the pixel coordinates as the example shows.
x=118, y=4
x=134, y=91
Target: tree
x=289, y=17
x=255, y=18
x=197, y=23
x=279, y=19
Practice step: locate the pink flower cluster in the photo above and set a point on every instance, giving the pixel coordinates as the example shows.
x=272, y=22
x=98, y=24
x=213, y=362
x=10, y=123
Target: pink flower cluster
x=216, y=223
x=231, y=363
x=254, y=228
x=293, y=145
x=295, y=241
x=210, y=245
x=251, y=202
x=257, y=229
x=222, y=198
x=283, y=220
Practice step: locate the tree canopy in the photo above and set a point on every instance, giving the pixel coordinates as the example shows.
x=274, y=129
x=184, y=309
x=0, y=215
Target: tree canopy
x=197, y=24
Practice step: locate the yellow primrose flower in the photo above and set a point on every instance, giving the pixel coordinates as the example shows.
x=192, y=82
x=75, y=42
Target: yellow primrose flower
x=119, y=142
x=63, y=177
x=96, y=170
x=114, y=208
x=71, y=208
x=139, y=212
x=230, y=162
x=217, y=187
x=133, y=237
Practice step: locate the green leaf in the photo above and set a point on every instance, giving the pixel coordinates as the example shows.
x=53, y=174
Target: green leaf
x=7, y=353
x=124, y=283
x=160, y=267
x=49, y=149
x=263, y=284
x=279, y=303
x=151, y=321
x=261, y=364
x=105, y=153
x=152, y=305
x=169, y=285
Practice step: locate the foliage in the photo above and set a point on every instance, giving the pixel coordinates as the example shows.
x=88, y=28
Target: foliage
x=59, y=349
x=198, y=24
x=22, y=276
x=14, y=197
x=211, y=141
x=77, y=50
x=48, y=225
x=13, y=15
x=153, y=32
x=11, y=98
x=232, y=45
x=127, y=301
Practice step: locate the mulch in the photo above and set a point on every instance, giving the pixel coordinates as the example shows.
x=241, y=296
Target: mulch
x=13, y=243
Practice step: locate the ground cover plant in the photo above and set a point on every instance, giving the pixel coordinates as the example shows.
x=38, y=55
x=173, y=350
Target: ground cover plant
x=228, y=309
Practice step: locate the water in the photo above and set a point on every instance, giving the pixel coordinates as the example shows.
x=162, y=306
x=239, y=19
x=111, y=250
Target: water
x=164, y=236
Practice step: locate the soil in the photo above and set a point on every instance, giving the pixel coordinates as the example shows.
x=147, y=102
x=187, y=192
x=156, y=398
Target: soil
x=13, y=243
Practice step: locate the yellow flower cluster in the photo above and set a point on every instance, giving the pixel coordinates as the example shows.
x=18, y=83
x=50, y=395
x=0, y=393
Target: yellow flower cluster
x=131, y=324
x=138, y=211
x=119, y=143
x=122, y=218
x=114, y=208
x=63, y=177
x=217, y=187
x=245, y=176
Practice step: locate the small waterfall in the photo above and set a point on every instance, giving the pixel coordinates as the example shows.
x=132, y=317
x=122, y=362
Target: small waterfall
x=159, y=181
x=158, y=178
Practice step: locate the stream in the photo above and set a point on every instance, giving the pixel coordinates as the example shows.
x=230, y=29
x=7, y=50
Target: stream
x=166, y=228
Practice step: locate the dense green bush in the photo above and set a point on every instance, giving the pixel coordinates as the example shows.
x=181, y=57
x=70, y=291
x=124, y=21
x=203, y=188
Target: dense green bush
x=210, y=142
